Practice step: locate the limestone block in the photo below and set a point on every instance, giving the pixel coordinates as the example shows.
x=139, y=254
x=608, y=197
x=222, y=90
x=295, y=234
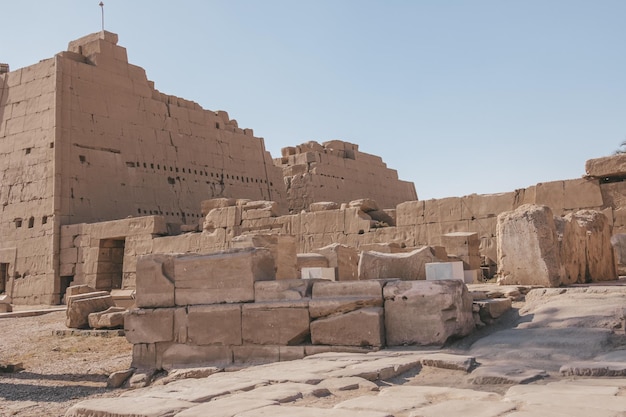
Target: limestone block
x=311, y=260
x=124, y=298
x=255, y=354
x=271, y=207
x=426, y=312
x=364, y=204
x=443, y=210
x=383, y=218
x=405, y=266
x=78, y=289
x=282, y=247
x=80, y=306
x=444, y=270
x=608, y=166
x=214, y=324
x=465, y=245
x=356, y=221
x=222, y=218
x=362, y=327
x=69, y=255
x=6, y=308
x=618, y=241
x=324, y=307
x=528, y=252
x=111, y=318
x=207, y=205
x=593, y=234
x=149, y=325
x=155, y=281
x=323, y=206
x=367, y=289
x=475, y=206
x=275, y=323
x=344, y=258
x=323, y=222
x=282, y=290
x=223, y=277
x=177, y=355
x=318, y=273
x=569, y=195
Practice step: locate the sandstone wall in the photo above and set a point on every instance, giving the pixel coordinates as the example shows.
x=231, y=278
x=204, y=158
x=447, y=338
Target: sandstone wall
x=27, y=153
x=129, y=150
x=337, y=171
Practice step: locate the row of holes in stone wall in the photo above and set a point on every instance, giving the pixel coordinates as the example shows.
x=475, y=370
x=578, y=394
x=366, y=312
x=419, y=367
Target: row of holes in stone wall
x=168, y=213
x=219, y=176
x=19, y=222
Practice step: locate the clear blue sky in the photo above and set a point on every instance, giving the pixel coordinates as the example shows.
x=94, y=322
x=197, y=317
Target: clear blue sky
x=461, y=97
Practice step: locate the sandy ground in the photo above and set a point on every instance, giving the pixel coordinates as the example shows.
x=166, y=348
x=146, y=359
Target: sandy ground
x=58, y=370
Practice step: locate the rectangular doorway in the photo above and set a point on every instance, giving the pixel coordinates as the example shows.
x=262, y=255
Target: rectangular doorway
x=110, y=266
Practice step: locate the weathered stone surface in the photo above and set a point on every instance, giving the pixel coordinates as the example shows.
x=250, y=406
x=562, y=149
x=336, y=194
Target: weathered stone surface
x=221, y=277
x=405, y=266
x=188, y=373
x=344, y=258
x=255, y=354
x=608, y=166
x=448, y=361
x=366, y=289
x=362, y=327
x=155, y=281
x=597, y=256
x=282, y=248
x=493, y=308
x=294, y=411
x=505, y=374
x=324, y=206
x=311, y=260
x=324, y=307
x=207, y=205
x=594, y=369
x=364, y=204
x=528, y=251
x=286, y=289
x=318, y=273
x=467, y=408
x=465, y=246
x=137, y=407
x=275, y=323
x=80, y=306
x=111, y=318
x=78, y=289
x=177, y=355
x=149, y=325
x=426, y=312
x=225, y=407
x=214, y=324
x=117, y=379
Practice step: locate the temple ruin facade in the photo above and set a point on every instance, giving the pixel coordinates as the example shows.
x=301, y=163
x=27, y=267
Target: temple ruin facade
x=99, y=169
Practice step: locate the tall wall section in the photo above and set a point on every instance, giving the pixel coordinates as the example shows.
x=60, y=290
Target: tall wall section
x=28, y=220
x=337, y=171
x=129, y=150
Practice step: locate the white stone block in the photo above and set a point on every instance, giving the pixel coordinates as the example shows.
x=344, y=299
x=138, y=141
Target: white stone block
x=318, y=272
x=444, y=270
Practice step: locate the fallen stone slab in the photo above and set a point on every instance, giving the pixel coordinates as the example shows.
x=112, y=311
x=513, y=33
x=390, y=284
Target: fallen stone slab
x=544, y=395
x=111, y=318
x=505, y=374
x=594, y=369
x=292, y=411
x=285, y=392
x=80, y=306
x=449, y=361
x=348, y=384
x=225, y=407
x=465, y=408
x=383, y=403
x=128, y=407
x=117, y=379
x=493, y=308
x=381, y=368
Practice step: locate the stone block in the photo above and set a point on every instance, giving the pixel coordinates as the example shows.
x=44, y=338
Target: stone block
x=275, y=323
x=214, y=325
x=222, y=218
x=410, y=213
x=155, y=281
x=255, y=354
x=362, y=327
x=124, y=298
x=282, y=248
x=283, y=290
x=324, y=206
x=528, y=250
x=111, y=318
x=149, y=325
x=606, y=167
x=324, y=307
x=344, y=258
x=80, y=306
x=176, y=356
x=223, y=277
x=78, y=289
x=207, y=205
x=318, y=273
x=311, y=260
x=493, y=308
x=364, y=204
x=444, y=270
x=367, y=289
x=405, y=266
x=426, y=312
